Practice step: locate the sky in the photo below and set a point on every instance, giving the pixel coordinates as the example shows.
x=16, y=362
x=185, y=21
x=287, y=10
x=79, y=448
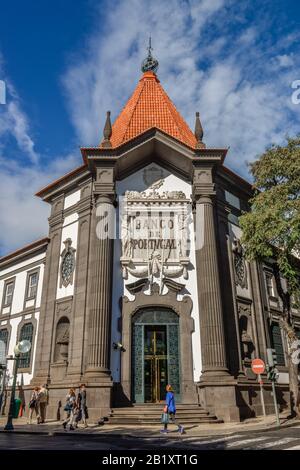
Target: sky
x=65, y=63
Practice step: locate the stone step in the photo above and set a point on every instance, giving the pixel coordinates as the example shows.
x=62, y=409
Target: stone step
x=157, y=412
x=151, y=414
x=189, y=420
x=160, y=405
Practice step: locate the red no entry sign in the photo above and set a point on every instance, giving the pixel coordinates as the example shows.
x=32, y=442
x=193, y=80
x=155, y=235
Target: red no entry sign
x=258, y=366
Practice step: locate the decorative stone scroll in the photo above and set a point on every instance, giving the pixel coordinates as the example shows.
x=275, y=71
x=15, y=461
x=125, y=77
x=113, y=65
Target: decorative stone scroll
x=154, y=194
x=240, y=269
x=67, y=266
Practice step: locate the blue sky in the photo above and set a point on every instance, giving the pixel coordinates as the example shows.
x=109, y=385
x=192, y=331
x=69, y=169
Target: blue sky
x=66, y=62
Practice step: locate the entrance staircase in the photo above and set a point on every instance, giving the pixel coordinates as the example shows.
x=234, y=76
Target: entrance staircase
x=150, y=413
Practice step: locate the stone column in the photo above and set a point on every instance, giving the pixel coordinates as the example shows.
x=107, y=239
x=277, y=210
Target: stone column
x=48, y=302
x=79, y=307
x=209, y=292
x=100, y=295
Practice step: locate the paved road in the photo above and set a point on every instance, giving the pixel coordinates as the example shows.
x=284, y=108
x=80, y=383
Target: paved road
x=285, y=439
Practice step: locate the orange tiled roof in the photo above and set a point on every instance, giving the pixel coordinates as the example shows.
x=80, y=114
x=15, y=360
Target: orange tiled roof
x=148, y=107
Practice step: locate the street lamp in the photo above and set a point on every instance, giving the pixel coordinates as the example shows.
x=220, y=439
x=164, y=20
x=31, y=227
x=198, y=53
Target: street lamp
x=22, y=347
x=2, y=370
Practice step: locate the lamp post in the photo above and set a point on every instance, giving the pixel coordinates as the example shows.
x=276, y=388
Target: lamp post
x=22, y=347
x=2, y=370
x=2, y=385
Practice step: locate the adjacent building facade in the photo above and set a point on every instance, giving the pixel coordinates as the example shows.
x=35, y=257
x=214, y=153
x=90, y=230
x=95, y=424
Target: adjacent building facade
x=165, y=295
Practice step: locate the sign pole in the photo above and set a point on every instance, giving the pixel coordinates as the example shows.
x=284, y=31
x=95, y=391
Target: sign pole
x=275, y=403
x=262, y=394
x=258, y=367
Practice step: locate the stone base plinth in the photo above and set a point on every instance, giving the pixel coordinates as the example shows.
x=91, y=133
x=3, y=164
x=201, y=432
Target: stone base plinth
x=98, y=399
x=237, y=400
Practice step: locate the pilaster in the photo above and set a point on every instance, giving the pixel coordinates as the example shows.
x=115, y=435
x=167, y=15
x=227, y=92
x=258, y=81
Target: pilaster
x=209, y=292
x=79, y=310
x=97, y=373
x=46, y=322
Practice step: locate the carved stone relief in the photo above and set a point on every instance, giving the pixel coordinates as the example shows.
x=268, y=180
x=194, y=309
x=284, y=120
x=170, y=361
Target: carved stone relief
x=155, y=233
x=246, y=334
x=67, y=266
x=239, y=263
x=62, y=340
x=152, y=174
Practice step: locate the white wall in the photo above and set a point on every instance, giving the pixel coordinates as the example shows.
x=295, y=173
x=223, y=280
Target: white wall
x=18, y=304
x=20, y=282
x=135, y=182
x=72, y=199
x=70, y=230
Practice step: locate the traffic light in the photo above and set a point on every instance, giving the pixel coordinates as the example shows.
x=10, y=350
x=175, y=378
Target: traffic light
x=272, y=372
x=272, y=358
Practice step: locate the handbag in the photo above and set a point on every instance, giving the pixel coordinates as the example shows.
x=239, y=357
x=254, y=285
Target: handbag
x=78, y=416
x=32, y=403
x=164, y=418
x=68, y=407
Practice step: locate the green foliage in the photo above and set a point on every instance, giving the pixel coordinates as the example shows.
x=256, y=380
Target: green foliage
x=272, y=228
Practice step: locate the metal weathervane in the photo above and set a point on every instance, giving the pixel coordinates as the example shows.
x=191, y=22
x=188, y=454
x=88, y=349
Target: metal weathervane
x=150, y=63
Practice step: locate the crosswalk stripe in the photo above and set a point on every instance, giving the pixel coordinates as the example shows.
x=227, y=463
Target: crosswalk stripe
x=278, y=443
x=293, y=448
x=196, y=440
x=212, y=441
x=252, y=443
x=246, y=441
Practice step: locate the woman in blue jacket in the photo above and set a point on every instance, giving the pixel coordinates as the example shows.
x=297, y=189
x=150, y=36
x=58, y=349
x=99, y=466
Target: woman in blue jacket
x=170, y=408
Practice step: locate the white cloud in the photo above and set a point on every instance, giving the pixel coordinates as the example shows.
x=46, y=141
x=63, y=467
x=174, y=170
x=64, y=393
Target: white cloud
x=24, y=216
x=14, y=122
x=242, y=100
x=105, y=77
x=285, y=60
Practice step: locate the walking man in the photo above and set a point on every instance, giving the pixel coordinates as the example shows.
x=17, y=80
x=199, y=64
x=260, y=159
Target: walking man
x=43, y=400
x=81, y=403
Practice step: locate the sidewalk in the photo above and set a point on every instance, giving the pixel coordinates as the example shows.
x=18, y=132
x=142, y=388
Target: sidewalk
x=260, y=424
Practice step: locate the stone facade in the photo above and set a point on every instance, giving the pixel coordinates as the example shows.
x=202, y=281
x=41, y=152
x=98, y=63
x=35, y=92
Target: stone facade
x=223, y=304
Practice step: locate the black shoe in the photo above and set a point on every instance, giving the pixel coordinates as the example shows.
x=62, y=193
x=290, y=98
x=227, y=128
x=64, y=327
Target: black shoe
x=65, y=426
x=72, y=428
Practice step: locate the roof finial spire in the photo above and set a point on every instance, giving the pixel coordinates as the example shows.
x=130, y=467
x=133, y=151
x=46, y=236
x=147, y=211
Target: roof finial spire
x=107, y=131
x=150, y=63
x=150, y=48
x=199, y=132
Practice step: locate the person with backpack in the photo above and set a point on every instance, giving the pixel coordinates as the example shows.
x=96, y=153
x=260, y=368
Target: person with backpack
x=43, y=400
x=34, y=405
x=170, y=411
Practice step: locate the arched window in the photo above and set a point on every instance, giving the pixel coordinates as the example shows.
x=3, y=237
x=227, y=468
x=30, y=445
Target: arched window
x=62, y=340
x=26, y=333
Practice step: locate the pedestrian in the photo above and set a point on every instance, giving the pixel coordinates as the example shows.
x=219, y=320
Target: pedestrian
x=70, y=408
x=170, y=411
x=82, y=406
x=34, y=405
x=43, y=400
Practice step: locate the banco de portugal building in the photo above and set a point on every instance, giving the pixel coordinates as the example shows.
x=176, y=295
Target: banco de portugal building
x=165, y=297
